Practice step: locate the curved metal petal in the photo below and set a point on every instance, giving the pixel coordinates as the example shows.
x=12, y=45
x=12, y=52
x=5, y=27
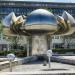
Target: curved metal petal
x=9, y=19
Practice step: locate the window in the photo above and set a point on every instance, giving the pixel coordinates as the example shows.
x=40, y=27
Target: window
x=56, y=37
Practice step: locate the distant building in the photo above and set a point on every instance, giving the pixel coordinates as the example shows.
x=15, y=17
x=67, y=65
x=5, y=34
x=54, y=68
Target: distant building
x=57, y=42
x=63, y=42
x=4, y=44
x=24, y=7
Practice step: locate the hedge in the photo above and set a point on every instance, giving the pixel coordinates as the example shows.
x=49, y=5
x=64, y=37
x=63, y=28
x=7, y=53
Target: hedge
x=18, y=53
x=62, y=51
x=23, y=53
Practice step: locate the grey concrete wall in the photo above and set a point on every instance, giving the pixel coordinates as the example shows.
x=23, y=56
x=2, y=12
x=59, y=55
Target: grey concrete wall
x=63, y=60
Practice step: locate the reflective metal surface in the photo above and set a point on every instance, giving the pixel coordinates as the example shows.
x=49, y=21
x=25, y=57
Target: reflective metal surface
x=40, y=21
x=41, y=16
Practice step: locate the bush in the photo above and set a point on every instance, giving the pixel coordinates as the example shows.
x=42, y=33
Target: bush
x=23, y=53
x=62, y=51
x=18, y=53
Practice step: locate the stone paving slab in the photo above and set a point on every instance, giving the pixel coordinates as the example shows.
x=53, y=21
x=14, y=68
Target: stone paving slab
x=40, y=73
x=38, y=66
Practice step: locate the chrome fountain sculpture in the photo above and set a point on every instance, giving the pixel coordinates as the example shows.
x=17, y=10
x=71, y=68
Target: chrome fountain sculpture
x=39, y=24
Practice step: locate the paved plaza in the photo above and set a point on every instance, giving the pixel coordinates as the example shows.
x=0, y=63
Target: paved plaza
x=38, y=66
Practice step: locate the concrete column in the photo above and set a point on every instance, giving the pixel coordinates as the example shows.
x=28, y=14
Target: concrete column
x=51, y=44
x=39, y=44
x=27, y=47
x=8, y=47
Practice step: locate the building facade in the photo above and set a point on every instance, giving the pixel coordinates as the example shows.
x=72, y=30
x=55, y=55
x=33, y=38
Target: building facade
x=24, y=7
x=63, y=42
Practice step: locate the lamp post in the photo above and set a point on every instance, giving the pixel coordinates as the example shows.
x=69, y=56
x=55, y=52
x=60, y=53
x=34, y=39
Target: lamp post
x=28, y=48
x=11, y=58
x=49, y=54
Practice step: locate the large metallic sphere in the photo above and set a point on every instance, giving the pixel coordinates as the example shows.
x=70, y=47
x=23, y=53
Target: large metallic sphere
x=41, y=21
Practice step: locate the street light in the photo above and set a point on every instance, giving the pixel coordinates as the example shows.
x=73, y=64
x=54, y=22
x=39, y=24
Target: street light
x=49, y=54
x=11, y=58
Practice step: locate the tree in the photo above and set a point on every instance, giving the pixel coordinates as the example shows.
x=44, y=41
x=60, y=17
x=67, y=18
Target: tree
x=1, y=26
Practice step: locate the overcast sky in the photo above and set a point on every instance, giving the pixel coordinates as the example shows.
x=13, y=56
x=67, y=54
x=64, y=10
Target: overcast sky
x=69, y=1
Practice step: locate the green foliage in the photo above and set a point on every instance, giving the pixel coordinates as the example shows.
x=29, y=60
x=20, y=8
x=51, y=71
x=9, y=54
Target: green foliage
x=23, y=53
x=62, y=51
x=1, y=26
x=18, y=53
x=50, y=10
